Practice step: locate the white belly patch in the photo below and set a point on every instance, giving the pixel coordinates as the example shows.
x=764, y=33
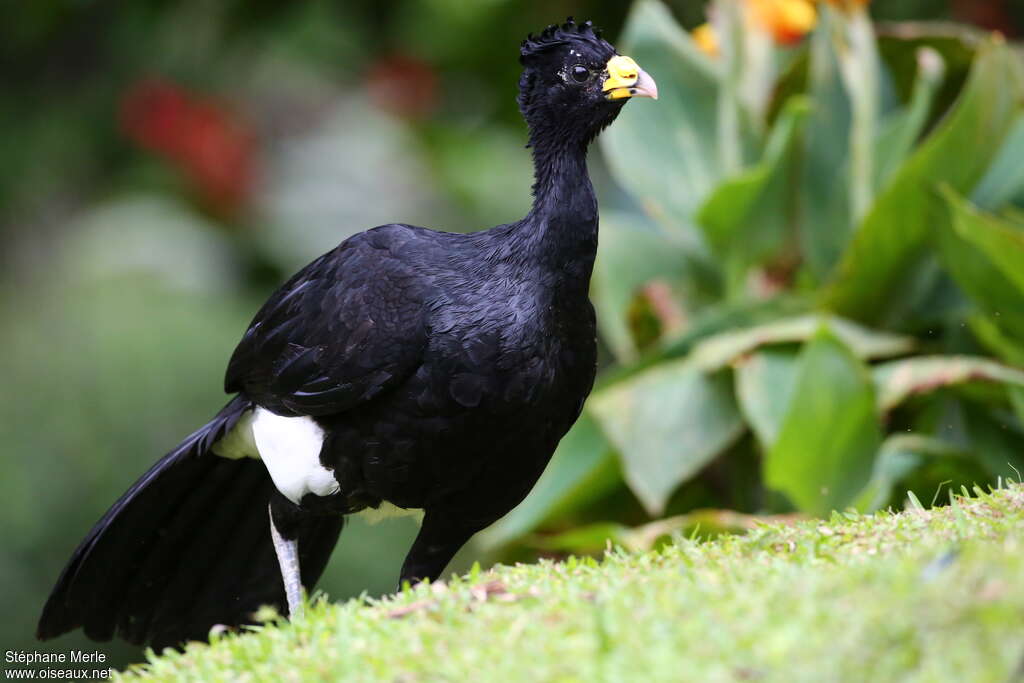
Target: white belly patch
x=288, y=446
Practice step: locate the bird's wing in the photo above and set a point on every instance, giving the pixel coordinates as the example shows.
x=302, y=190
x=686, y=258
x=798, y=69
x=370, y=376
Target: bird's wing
x=345, y=328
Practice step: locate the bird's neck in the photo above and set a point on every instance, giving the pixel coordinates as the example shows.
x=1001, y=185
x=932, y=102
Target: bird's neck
x=560, y=232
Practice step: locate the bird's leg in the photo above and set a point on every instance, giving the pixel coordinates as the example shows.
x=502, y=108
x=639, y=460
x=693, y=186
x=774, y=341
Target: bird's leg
x=439, y=539
x=288, y=558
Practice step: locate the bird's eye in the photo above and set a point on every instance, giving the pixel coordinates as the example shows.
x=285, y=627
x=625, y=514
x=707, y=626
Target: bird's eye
x=580, y=73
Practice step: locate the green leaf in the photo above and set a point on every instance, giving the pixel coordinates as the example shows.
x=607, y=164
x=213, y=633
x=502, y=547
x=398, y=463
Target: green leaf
x=861, y=70
x=586, y=539
x=664, y=153
x=1017, y=401
x=764, y=387
x=720, y=350
x=901, y=129
x=851, y=91
x=748, y=218
x=1001, y=241
x=631, y=253
x=726, y=316
x=965, y=237
x=824, y=194
x=996, y=437
x=1012, y=213
x=828, y=440
x=667, y=423
x=895, y=231
x=1005, y=178
x=899, y=456
x=705, y=523
x=896, y=381
x=994, y=338
x=582, y=469
x=709, y=321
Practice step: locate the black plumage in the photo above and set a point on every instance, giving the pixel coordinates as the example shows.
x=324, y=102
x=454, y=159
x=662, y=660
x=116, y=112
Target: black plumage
x=441, y=368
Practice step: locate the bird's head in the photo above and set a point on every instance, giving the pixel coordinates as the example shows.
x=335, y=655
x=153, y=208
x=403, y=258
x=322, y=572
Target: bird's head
x=574, y=83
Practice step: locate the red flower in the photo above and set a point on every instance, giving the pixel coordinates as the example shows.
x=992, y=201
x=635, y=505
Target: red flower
x=208, y=143
x=403, y=85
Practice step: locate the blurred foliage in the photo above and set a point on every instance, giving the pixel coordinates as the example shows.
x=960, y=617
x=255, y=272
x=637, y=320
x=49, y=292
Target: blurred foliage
x=817, y=280
x=166, y=164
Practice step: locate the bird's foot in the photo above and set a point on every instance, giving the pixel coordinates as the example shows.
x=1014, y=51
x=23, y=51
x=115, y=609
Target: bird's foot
x=288, y=558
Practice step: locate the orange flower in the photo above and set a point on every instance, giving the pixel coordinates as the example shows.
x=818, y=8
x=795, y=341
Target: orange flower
x=848, y=5
x=788, y=21
x=706, y=39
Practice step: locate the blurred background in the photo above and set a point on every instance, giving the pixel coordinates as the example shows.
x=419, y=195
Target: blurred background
x=165, y=165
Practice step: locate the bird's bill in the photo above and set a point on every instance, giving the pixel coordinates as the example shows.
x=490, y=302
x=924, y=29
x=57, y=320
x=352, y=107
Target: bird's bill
x=627, y=79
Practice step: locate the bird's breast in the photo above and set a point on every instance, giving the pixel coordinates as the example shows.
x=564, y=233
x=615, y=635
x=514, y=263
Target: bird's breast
x=499, y=384
x=530, y=352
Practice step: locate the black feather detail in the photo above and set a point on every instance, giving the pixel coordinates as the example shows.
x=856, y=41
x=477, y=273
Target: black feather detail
x=188, y=546
x=555, y=35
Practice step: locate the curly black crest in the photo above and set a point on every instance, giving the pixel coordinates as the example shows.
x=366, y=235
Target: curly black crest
x=555, y=35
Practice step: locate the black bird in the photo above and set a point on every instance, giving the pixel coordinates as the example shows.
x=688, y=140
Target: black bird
x=407, y=367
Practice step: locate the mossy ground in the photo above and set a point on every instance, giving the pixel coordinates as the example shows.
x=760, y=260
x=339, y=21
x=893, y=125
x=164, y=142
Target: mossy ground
x=916, y=596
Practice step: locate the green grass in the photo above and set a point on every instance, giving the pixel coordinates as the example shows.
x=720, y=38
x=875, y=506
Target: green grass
x=915, y=596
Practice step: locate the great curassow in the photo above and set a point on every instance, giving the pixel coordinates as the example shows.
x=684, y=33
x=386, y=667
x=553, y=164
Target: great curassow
x=408, y=367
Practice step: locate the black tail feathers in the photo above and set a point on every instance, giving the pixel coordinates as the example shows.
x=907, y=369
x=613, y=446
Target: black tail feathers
x=186, y=547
